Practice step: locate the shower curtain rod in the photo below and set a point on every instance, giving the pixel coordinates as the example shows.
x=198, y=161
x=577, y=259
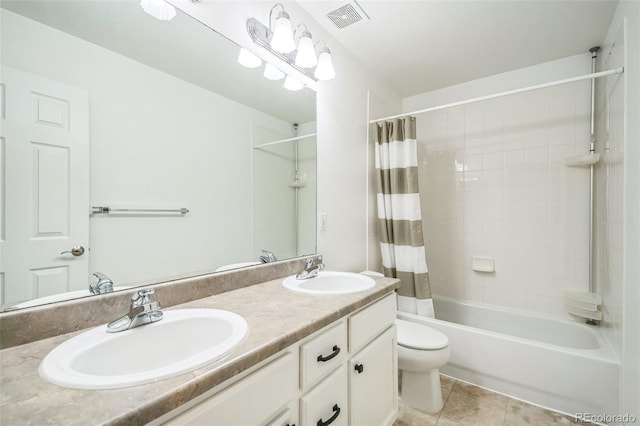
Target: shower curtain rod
x=285, y=140
x=510, y=92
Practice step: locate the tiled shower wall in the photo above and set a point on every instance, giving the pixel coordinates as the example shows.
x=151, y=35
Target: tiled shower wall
x=494, y=184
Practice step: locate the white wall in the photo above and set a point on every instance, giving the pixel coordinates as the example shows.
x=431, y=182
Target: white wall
x=494, y=184
x=618, y=197
x=156, y=141
x=342, y=128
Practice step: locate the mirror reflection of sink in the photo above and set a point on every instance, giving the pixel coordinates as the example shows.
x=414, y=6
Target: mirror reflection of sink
x=61, y=297
x=183, y=340
x=330, y=282
x=236, y=266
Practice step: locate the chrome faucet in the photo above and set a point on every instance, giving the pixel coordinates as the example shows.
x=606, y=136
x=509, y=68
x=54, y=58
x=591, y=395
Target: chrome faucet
x=104, y=284
x=312, y=266
x=141, y=312
x=267, y=256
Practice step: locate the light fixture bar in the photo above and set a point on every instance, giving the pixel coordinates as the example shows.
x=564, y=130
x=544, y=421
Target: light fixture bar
x=260, y=35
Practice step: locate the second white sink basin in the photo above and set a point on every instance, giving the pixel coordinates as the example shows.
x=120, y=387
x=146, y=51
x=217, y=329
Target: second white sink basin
x=62, y=297
x=183, y=340
x=330, y=282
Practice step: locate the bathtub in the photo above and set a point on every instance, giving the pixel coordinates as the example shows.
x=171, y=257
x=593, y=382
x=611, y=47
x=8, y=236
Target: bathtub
x=562, y=365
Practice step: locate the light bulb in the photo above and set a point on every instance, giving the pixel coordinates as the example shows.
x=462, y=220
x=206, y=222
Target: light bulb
x=293, y=84
x=324, y=70
x=159, y=9
x=306, y=57
x=248, y=59
x=282, y=40
x=272, y=73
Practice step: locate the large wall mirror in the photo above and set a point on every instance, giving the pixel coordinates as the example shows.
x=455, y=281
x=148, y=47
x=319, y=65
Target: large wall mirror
x=142, y=150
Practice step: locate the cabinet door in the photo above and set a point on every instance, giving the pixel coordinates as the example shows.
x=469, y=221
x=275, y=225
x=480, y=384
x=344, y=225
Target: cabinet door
x=373, y=377
x=254, y=400
x=327, y=403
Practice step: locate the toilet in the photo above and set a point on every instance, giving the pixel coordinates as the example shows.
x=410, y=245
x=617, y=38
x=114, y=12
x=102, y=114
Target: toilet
x=422, y=350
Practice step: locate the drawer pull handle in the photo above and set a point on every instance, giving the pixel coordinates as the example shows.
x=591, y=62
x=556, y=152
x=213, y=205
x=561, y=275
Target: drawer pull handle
x=359, y=368
x=336, y=351
x=336, y=413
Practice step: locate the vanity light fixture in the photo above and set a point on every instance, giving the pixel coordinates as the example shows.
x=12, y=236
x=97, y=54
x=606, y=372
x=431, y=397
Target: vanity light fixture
x=159, y=9
x=324, y=70
x=248, y=59
x=280, y=42
x=306, y=56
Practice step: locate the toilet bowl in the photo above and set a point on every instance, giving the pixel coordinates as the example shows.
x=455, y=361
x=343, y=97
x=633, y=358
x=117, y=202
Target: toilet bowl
x=421, y=352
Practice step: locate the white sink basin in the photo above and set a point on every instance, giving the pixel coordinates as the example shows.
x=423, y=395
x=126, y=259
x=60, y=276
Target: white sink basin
x=183, y=340
x=236, y=266
x=330, y=282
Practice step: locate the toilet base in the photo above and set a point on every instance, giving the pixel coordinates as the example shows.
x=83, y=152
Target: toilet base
x=422, y=391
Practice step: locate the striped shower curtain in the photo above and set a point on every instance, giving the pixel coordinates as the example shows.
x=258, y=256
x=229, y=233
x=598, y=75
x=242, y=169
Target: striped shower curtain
x=398, y=202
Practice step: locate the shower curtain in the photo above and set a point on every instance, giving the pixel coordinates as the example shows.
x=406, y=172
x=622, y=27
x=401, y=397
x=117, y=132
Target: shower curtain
x=399, y=218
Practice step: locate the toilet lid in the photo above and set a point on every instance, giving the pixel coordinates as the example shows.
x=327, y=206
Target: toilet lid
x=418, y=336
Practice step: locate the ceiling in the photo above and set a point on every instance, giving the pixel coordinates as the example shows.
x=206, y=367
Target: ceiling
x=419, y=46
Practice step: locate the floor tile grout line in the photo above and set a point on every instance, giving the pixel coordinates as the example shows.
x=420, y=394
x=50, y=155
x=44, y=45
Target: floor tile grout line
x=444, y=404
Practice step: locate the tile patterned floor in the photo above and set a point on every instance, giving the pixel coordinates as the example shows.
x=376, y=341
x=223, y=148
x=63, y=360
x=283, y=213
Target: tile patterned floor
x=466, y=404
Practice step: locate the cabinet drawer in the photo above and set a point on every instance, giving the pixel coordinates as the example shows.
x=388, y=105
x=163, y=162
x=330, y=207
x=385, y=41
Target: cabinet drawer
x=266, y=392
x=365, y=325
x=327, y=403
x=322, y=354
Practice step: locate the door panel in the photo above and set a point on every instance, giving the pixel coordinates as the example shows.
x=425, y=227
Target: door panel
x=46, y=190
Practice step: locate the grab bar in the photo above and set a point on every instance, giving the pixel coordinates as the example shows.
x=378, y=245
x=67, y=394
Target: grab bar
x=107, y=210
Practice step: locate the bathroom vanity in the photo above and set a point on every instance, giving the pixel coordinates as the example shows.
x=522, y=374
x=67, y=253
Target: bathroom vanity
x=307, y=360
x=343, y=374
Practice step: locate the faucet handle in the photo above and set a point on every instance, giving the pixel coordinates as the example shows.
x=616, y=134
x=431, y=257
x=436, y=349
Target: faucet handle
x=141, y=297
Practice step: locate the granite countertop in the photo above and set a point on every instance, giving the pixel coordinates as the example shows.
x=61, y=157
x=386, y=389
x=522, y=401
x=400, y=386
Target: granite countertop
x=277, y=318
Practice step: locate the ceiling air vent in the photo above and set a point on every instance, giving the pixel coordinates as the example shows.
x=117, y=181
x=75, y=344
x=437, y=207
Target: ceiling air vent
x=346, y=14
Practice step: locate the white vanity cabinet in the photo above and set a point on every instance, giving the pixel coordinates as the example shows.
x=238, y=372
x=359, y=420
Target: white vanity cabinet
x=342, y=375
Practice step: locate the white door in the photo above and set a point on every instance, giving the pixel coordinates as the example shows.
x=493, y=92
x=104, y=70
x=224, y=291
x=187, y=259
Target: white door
x=45, y=168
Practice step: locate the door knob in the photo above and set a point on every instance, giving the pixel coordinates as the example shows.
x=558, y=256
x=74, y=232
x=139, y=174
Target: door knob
x=76, y=251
